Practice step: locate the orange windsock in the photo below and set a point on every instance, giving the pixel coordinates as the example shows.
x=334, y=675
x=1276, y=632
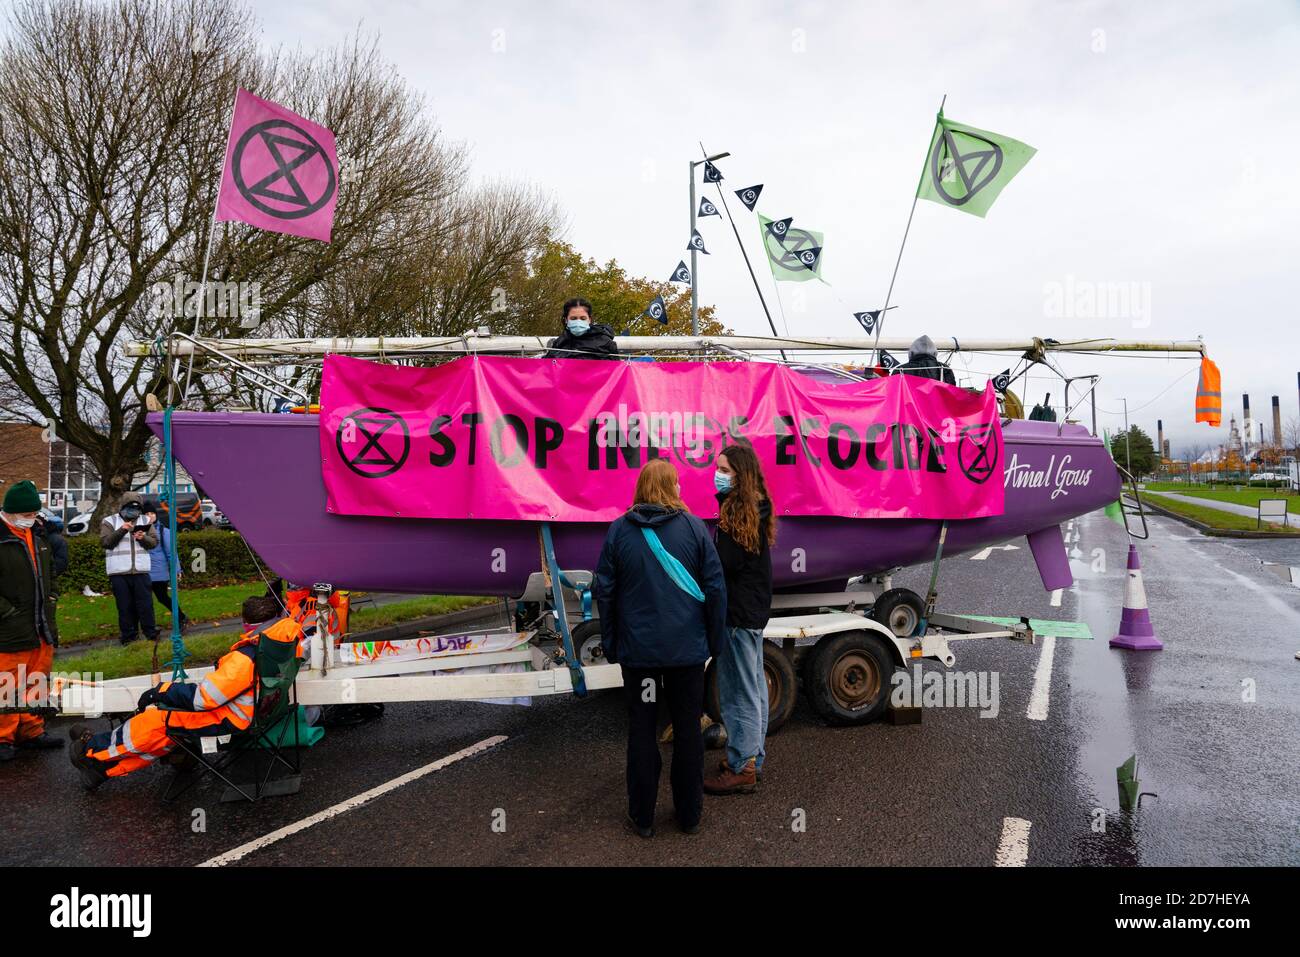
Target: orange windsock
x=1209, y=394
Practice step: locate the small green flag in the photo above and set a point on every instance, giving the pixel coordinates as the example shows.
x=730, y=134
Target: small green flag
x=967, y=168
x=783, y=246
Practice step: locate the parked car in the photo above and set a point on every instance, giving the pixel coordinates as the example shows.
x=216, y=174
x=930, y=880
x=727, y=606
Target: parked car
x=189, y=510
x=214, y=517
x=79, y=524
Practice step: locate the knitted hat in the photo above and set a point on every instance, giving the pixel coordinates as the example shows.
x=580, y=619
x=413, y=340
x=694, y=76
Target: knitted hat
x=22, y=497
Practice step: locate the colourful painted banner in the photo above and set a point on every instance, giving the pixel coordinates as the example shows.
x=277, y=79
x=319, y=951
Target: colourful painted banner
x=563, y=440
x=281, y=173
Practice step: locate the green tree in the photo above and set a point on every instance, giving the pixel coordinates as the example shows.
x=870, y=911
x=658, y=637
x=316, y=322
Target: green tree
x=1139, y=444
x=532, y=306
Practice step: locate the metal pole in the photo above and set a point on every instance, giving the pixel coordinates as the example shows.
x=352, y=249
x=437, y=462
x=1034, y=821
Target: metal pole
x=207, y=252
x=1094, y=406
x=1128, y=445
x=875, y=351
x=763, y=302
x=695, y=291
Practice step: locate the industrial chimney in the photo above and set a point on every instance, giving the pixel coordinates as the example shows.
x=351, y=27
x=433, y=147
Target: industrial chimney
x=1277, y=423
x=1160, y=437
x=1247, y=426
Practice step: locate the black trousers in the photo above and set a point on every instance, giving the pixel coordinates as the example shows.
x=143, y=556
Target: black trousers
x=162, y=591
x=682, y=690
x=134, y=606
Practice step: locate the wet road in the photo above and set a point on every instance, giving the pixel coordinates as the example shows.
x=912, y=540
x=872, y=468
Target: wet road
x=1212, y=718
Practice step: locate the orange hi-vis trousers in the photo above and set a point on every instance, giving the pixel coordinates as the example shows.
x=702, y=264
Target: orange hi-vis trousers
x=22, y=666
x=143, y=739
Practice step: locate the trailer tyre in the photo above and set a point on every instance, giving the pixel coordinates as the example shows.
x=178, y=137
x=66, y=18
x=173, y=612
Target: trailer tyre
x=586, y=643
x=847, y=678
x=900, y=610
x=782, y=688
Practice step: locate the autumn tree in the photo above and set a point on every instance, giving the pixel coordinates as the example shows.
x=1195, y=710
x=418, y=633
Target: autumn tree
x=532, y=305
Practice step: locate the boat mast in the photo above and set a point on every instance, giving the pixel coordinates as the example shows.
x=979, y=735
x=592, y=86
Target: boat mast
x=393, y=346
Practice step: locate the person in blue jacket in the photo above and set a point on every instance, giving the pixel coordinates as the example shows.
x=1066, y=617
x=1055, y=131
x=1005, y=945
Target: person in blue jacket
x=160, y=573
x=663, y=610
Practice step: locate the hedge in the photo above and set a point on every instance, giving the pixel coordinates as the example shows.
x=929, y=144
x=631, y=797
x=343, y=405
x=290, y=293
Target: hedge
x=225, y=560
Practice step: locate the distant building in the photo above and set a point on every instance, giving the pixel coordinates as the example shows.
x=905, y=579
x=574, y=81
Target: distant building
x=64, y=475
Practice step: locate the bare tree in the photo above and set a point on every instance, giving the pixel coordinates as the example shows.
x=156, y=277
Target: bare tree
x=113, y=126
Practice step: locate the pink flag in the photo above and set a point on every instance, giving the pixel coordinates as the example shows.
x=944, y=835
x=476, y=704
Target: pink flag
x=281, y=171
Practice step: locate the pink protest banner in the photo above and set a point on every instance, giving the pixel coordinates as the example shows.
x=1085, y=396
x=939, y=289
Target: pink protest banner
x=281, y=171
x=516, y=438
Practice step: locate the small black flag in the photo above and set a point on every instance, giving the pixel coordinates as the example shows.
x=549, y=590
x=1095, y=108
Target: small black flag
x=681, y=274
x=657, y=310
x=697, y=242
x=1002, y=381
x=711, y=173
x=868, y=319
x=749, y=196
x=707, y=209
x=888, y=361
x=779, y=228
x=809, y=257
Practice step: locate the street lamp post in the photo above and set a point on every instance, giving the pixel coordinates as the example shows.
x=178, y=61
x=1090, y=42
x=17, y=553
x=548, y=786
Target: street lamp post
x=695, y=292
x=1128, y=440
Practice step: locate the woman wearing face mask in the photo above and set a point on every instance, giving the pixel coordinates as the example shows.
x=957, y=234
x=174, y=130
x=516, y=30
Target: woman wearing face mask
x=127, y=538
x=581, y=338
x=662, y=605
x=746, y=531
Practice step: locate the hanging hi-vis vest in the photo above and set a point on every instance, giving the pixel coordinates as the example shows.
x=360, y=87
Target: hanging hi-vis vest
x=128, y=556
x=1209, y=394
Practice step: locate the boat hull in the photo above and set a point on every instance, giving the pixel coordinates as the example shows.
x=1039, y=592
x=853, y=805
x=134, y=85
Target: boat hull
x=264, y=472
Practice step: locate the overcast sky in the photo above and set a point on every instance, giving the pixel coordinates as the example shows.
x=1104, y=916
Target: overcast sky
x=1167, y=138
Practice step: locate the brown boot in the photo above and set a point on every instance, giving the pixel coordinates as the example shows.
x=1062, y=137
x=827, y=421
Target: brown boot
x=728, y=781
x=724, y=768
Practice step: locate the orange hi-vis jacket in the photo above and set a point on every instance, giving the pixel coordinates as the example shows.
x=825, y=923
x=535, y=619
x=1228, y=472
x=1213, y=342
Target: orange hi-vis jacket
x=1209, y=394
x=227, y=691
x=301, y=605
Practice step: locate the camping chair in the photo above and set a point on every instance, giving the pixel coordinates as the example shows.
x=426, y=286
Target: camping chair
x=275, y=674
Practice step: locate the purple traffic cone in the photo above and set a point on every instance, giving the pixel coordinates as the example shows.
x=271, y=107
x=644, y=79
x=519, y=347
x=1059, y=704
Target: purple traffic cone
x=1135, y=631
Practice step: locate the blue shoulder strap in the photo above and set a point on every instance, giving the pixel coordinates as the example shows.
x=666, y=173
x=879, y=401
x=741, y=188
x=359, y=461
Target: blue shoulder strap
x=675, y=569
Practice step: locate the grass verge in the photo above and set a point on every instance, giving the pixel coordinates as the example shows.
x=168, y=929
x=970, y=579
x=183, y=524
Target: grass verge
x=1211, y=516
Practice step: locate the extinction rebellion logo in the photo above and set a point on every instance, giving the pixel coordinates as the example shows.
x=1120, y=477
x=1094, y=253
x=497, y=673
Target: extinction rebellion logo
x=977, y=451
x=373, y=442
x=279, y=192
x=972, y=170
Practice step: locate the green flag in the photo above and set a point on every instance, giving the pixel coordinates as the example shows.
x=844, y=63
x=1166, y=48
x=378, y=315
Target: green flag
x=966, y=168
x=783, y=252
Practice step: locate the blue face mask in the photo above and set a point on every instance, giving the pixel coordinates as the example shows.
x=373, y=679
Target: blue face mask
x=722, y=481
x=578, y=327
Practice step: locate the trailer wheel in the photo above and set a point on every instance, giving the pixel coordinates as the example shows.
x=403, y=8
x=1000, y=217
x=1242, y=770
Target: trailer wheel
x=586, y=643
x=900, y=610
x=782, y=688
x=847, y=679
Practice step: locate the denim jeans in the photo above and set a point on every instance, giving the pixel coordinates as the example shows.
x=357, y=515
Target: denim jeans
x=742, y=696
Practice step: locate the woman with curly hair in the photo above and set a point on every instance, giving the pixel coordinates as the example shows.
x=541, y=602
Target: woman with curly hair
x=746, y=532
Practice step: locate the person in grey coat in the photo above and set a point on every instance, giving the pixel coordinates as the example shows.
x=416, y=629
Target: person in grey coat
x=127, y=537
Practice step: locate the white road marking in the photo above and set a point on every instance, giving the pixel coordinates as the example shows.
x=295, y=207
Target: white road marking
x=1056, y=598
x=984, y=553
x=353, y=802
x=1013, y=849
x=1038, y=698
